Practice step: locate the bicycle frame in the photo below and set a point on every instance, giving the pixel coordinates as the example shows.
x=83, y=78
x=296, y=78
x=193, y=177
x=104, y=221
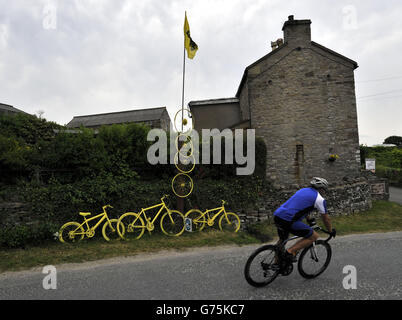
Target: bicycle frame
x=148, y=220
x=313, y=251
x=211, y=220
x=103, y=215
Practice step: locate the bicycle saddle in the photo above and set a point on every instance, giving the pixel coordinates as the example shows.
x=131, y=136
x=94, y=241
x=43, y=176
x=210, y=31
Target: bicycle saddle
x=84, y=214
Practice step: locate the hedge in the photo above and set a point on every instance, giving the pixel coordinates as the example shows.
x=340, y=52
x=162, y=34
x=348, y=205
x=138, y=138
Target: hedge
x=85, y=170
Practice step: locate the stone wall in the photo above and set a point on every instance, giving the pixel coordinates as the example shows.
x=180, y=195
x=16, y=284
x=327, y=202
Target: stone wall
x=14, y=213
x=352, y=196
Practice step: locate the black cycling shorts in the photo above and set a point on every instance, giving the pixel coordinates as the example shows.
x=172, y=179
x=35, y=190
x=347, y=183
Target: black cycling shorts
x=297, y=228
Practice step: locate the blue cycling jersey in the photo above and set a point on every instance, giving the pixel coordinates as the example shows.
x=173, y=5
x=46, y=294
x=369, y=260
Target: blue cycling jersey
x=300, y=204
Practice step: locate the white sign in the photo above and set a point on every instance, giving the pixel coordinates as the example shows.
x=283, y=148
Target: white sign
x=370, y=164
x=188, y=224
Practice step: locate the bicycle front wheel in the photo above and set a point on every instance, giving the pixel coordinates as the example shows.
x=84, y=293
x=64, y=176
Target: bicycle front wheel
x=71, y=232
x=314, y=259
x=262, y=266
x=229, y=222
x=130, y=226
x=172, y=223
x=109, y=230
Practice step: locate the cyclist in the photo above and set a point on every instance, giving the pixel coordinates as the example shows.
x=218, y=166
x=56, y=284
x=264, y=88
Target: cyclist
x=288, y=217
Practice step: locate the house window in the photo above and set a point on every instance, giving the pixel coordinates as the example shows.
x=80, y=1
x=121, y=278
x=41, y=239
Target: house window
x=299, y=153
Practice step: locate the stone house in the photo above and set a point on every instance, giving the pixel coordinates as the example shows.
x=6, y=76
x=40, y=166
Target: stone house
x=300, y=98
x=154, y=117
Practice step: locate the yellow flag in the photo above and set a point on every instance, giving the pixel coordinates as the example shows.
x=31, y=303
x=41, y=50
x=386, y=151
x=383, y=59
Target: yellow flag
x=189, y=44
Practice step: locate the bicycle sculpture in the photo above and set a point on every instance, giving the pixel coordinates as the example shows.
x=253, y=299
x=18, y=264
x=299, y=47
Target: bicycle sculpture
x=267, y=262
x=72, y=232
x=184, y=160
x=228, y=221
x=182, y=184
x=131, y=225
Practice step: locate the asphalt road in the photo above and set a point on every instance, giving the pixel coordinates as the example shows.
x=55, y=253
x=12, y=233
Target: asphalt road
x=395, y=194
x=217, y=273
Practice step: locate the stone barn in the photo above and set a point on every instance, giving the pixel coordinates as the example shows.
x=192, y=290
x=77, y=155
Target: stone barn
x=300, y=98
x=154, y=117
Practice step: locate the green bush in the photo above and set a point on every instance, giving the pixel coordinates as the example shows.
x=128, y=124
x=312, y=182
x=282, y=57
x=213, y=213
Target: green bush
x=393, y=175
x=87, y=169
x=23, y=235
x=388, y=162
x=27, y=128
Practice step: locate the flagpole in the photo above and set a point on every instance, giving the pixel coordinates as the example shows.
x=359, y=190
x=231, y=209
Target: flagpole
x=184, y=74
x=182, y=96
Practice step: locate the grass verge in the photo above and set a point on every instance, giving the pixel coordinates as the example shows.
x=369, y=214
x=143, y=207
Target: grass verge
x=383, y=217
x=97, y=248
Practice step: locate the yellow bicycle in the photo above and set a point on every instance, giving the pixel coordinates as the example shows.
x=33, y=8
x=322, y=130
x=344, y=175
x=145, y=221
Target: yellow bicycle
x=229, y=221
x=73, y=231
x=132, y=226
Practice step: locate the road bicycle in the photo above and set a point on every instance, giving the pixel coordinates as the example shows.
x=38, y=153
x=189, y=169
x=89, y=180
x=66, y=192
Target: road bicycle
x=72, y=232
x=131, y=225
x=268, y=261
x=229, y=221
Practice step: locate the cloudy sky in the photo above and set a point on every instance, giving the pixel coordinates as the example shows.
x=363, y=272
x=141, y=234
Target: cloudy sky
x=79, y=57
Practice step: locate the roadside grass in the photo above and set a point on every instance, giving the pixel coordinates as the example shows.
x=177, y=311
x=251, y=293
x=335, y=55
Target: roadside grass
x=53, y=253
x=383, y=217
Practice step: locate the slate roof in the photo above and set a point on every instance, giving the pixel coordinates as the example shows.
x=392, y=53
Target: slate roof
x=199, y=103
x=8, y=108
x=95, y=120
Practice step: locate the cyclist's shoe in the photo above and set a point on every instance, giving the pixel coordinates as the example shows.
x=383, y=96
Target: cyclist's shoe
x=290, y=257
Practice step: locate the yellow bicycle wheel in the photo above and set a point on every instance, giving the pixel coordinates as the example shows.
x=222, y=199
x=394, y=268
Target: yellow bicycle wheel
x=183, y=121
x=130, y=226
x=182, y=185
x=71, y=232
x=186, y=145
x=185, y=165
x=172, y=223
x=198, y=220
x=229, y=222
x=109, y=230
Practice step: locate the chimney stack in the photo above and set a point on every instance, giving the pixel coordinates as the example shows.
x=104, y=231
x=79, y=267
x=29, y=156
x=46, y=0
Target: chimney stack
x=296, y=32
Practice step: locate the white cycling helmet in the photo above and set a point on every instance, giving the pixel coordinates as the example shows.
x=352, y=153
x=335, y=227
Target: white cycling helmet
x=317, y=182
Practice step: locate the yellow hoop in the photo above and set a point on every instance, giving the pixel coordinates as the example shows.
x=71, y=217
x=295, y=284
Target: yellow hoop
x=192, y=121
x=191, y=184
x=190, y=143
x=176, y=162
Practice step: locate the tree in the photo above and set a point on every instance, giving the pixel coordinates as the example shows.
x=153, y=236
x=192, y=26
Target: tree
x=397, y=140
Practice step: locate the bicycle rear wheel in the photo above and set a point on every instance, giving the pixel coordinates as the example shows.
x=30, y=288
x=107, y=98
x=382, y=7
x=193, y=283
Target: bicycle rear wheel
x=71, y=232
x=314, y=259
x=262, y=267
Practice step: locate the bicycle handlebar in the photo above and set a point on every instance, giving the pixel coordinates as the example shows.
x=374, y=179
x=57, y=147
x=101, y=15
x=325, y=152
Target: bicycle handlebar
x=224, y=202
x=107, y=206
x=321, y=229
